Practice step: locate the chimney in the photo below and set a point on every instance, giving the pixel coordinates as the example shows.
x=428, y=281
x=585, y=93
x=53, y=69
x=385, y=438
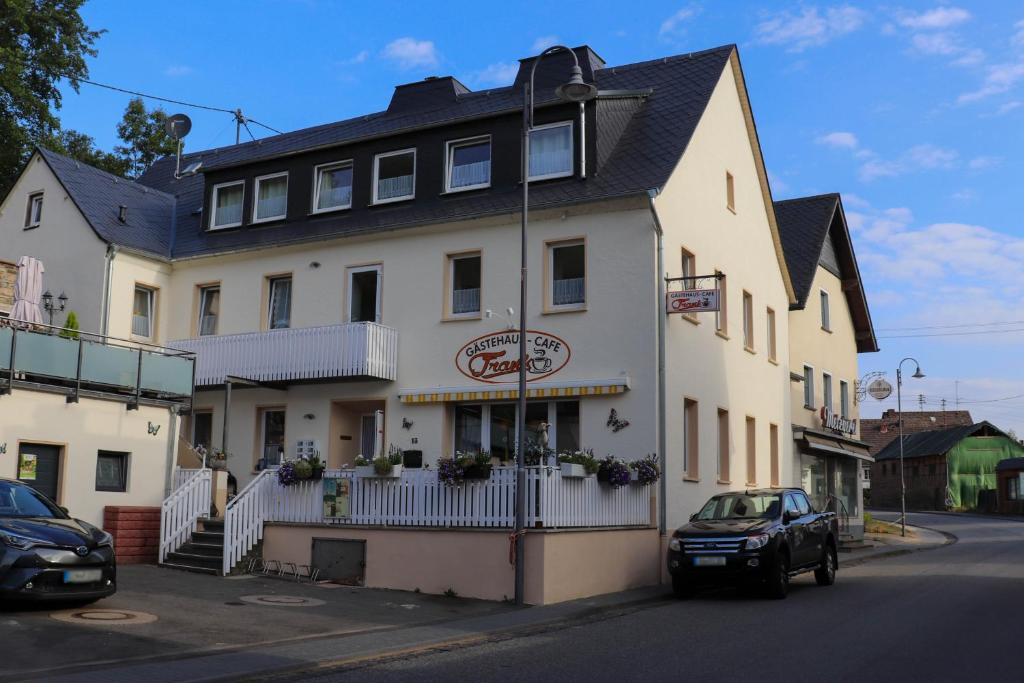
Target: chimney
x=122, y=213
x=433, y=92
x=553, y=70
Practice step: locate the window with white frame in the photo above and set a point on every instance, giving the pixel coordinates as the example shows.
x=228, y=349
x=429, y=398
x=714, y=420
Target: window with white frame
x=492, y=427
x=279, y=303
x=826, y=391
x=394, y=176
x=808, y=387
x=364, y=294
x=332, y=186
x=844, y=399
x=226, y=205
x=209, y=310
x=34, y=210
x=551, y=151
x=464, y=275
x=271, y=198
x=826, y=320
x=142, y=312
x=468, y=164
x=567, y=273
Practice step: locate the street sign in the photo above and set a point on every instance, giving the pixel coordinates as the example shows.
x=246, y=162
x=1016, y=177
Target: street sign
x=691, y=301
x=880, y=389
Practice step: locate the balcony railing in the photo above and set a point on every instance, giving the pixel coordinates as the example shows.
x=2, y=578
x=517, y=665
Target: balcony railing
x=82, y=361
x=364, y=350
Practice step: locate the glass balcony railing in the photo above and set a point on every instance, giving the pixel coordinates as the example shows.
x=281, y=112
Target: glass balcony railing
x=38, y=354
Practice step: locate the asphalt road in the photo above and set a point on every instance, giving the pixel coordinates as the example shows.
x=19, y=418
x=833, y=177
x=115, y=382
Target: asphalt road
x=948, y=614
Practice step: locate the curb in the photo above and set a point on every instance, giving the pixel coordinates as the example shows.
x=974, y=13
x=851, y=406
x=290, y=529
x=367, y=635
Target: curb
x=950, y=539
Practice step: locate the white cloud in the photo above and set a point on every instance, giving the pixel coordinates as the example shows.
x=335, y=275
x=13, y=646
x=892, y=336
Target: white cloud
x=854, y=200
x=809, y=28
x=940, y=17
x=999, y=79
x=917, y=158
x=357, y=58
x=839, y=139
x=409, y=53
x=544, y=42
x=177, y=71
x=497, y=74
x=1007, y=107
x=778, y=185
x=970, y=57
x=983, y=162
x=942, y=43
x=965, y=194
x=930, y=156
x=1018, y=37
x=673, y=25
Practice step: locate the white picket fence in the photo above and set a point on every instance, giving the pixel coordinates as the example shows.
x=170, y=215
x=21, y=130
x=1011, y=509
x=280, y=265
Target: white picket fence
x=180, y=513
x=417, y=498
x=181, y=475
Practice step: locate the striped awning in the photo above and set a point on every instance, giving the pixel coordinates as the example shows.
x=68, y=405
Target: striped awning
x=510, y=391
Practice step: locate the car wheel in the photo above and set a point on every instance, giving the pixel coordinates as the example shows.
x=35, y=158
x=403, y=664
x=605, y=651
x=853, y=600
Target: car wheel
x=778, y=578
x=681, y=588
x=825, y=574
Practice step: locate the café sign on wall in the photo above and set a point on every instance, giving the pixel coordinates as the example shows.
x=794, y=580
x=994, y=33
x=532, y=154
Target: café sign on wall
x=494, y=358
x=843, y=425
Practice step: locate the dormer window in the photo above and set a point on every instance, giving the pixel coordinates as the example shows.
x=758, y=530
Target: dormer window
x=34, y=210
x=394, y=176
x=271, y=201
x=551, y=154
x=227, y=205
x=333, y=187
x=469, y=164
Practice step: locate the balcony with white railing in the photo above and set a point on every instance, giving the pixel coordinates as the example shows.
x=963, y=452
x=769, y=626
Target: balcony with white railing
x=350, y=350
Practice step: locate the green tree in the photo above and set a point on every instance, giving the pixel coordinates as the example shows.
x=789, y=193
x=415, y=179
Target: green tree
x=70, y=329
x=41, y=42
x=83, y=148
x=144, y=136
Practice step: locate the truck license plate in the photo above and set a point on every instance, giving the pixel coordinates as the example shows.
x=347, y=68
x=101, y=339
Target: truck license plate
x=83, y=575
x=709, y=562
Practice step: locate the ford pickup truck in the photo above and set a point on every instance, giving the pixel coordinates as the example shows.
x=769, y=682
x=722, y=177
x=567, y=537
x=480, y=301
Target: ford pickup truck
x=758, y=537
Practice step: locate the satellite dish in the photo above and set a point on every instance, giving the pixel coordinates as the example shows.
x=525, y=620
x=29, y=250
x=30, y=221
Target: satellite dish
x=178, y=126
x=880, y=389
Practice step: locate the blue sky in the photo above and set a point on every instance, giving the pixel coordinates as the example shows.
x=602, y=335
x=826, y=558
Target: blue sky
x=912, y=110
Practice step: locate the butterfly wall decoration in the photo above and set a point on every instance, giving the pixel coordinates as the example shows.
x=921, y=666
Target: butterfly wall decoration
x=614, y=423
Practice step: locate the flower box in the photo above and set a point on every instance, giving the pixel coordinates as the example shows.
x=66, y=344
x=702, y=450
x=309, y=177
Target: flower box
x=570, y=469
x=477, y=472
x=396, y=472
x=634, y=477
x=365, y=471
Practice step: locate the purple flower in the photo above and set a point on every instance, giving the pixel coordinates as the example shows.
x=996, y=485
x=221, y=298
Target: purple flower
x=286, y=474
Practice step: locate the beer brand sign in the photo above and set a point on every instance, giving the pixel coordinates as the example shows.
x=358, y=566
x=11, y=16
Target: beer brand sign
x=494, y=358
x=830, y=420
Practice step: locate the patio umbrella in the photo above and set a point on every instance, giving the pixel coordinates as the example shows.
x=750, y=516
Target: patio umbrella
x=28, y=290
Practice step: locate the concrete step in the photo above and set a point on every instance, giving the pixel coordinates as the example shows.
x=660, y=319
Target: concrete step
x=208, y=537
x=203, y=549
x=213, y=562
x=212, y=524
x=180, y=566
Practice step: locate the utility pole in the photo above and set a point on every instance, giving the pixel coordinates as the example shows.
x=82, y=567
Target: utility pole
x=920, y=402
x=943, y=412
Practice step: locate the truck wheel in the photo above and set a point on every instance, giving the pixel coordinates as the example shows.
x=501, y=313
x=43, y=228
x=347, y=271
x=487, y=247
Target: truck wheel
x=777, y=582
x=825, y=574
x=681, y=588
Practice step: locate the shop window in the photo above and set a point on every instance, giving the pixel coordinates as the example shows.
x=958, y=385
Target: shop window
x=142, y=312
x=34, y=210
x=270, y=198
x=808, y=387
x=112, y=471
x=567, y=274
x=469, y=428
x=751, y=451
x=723, y=445
x=773, y=445
x=333, y=187
x=492, y=427
x=364, y=294
x=279, y=305
x=209, y=310
x=691, y=439
x=469, y=164
x=464, y=275
x=394, y=176
x=272, y=441
x=748, y=321
x=567, y=424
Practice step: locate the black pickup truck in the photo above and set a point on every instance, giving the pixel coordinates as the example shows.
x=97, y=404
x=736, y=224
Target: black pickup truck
x=761, y=537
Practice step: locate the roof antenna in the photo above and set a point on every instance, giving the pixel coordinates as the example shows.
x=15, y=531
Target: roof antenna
x=177, y=127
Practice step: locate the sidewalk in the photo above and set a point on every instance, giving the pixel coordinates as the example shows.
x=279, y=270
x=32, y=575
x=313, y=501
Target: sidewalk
x=889, y=545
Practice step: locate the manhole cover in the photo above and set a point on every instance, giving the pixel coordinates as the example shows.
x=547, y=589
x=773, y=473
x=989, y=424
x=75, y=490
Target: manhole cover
x=282, y=600
x=106, y=617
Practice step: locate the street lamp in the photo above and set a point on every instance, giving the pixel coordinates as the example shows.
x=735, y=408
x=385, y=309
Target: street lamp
x=62, y=302
x=575, y=90
x=899, y=409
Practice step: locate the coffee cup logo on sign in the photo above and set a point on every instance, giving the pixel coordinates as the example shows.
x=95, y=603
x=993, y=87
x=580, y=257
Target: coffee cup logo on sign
x=494, y=358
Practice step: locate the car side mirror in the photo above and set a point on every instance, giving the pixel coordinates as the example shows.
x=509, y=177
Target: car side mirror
x=64, y=510
x=693, y=516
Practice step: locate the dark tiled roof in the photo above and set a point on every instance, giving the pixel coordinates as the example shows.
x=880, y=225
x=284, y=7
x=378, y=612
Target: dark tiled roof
x=98, y=195
x=1010, y=464
x=647, y=152
x=938, y=442
x=879, y=432
x=804, y=225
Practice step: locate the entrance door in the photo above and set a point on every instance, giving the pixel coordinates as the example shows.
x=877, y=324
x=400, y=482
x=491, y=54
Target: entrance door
x=364, y=294
x=39, y=467
x=368, y=436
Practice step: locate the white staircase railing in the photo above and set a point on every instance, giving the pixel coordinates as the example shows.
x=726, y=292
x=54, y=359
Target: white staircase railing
x=180, y=513
x=244, y=517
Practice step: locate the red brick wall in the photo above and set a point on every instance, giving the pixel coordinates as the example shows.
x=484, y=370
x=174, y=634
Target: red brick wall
x=136, y=532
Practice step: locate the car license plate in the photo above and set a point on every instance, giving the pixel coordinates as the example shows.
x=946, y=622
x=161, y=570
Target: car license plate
x=709, y=562
x=83, y=575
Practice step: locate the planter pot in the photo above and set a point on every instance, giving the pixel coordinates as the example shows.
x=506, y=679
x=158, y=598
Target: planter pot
x=573, y=470
x=477, y=472
x=318, y=473
x=634, y=477
x=602, y=475
x=365, y=471
x=395, y=473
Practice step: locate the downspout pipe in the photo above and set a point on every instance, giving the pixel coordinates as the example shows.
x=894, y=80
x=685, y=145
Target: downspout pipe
x=660, y=313
x=172, y=451
x=108, y=269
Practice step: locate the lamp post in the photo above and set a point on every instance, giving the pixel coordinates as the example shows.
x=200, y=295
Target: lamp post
x=575, y=90
x=899, y=409
x=62, y=302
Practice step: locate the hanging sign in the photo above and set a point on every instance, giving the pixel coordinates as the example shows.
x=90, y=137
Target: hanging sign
x=691, y=301
x=880, y=389
x=27, y=467
x=337, y=498
x=8, y=275
x=494, y=358
x=843, y=425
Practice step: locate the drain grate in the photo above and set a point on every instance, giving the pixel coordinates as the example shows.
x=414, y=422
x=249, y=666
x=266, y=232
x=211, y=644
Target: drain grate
x=104, y=617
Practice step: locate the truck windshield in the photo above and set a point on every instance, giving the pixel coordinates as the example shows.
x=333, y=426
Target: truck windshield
x=741, y=506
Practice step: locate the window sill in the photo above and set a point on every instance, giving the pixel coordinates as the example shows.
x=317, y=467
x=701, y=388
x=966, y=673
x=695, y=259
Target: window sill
x=272, y=219
x=725, y=482
x=723, y=335
x=751, y=484
x=691, y=319
x=31, y=227
x=563, y=309
x=810, y=408
x=731, y=209
x=826, y=329
x=461, y=190
x=220, y=228
x=692, y=480
x=460, y=318
x=333, y=209
x=396, y=200
x=750, y=350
